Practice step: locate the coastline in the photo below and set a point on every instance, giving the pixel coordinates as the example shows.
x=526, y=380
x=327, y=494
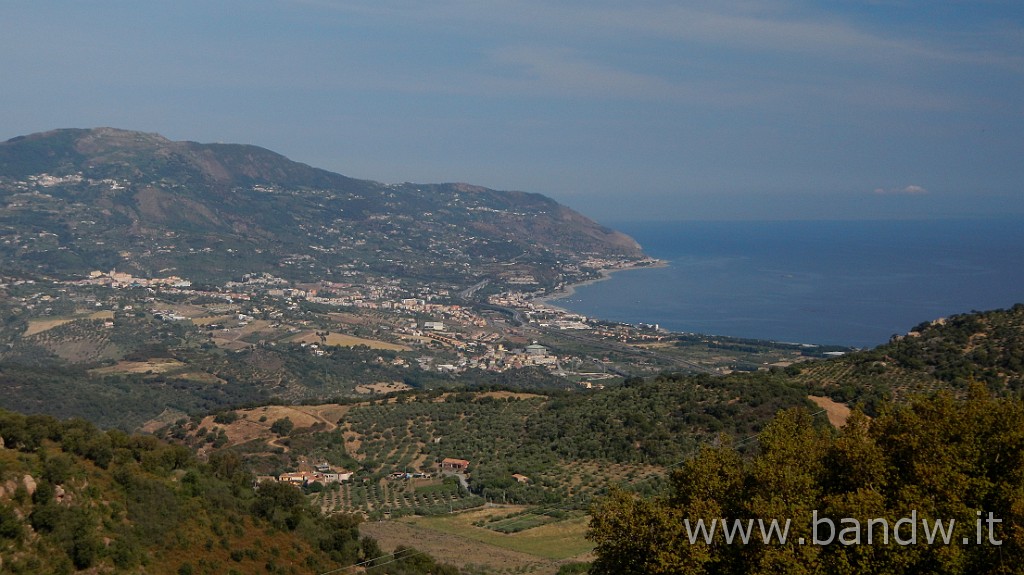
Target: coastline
x=570, y=289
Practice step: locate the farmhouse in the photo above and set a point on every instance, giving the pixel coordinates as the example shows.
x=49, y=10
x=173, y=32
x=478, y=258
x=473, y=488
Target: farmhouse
x=449, y=464
x=306, y=477
x=298, y=478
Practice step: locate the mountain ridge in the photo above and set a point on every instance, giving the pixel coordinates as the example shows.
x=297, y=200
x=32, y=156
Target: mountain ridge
x=139, y=188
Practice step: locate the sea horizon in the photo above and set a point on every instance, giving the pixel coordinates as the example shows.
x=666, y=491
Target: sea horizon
x=829, y=282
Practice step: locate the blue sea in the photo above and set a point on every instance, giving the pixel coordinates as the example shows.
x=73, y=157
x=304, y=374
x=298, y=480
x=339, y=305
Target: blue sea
x=852, y=283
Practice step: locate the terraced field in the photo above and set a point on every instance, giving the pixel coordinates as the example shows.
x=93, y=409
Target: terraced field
x=392, y=498
x=828, y=376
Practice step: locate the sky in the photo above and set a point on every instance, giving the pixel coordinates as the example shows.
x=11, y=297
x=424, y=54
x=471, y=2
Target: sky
x=625, y=111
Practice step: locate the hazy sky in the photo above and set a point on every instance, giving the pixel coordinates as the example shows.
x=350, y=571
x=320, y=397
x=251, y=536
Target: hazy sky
x=646, y=109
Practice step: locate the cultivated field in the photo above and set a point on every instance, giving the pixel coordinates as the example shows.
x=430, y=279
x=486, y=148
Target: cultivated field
x=347, y=341
x=454, y=539
x=837, y=412
x=382, y=387
x=161, y=366
x=254, y=424
x=36, y=326
x=213, y=319
x=155, y=365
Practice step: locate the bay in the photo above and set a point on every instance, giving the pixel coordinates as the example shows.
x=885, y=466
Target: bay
x=853, y=283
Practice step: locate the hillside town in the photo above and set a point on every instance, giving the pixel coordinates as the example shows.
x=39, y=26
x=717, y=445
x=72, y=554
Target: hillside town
x=465, y=336
x=493, y=326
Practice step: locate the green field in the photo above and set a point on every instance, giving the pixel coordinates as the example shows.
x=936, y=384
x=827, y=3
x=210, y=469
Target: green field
x=557, y=541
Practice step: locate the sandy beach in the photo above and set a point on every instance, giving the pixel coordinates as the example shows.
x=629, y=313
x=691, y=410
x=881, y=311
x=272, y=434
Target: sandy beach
x=570, y=289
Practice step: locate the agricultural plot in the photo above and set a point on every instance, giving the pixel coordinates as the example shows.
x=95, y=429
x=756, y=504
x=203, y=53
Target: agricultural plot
x=159, y=365
x=40, y=325
x=77, y=340
x=471, y=556
x=529, y=518
x=837, y=412
x=493, y=433
x=347, y=341
x=559, y=540
x=240, y=337
x=382, y=387
x=155, y=365
x=456, y=539
x=207, y=320
x=393, y=498
x=842, y=377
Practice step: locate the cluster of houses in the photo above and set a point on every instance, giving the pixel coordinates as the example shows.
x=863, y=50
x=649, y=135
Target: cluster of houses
x=325, y=474
x=452, y=465
x=322, y=473
x=116, y=279
x=481, y=350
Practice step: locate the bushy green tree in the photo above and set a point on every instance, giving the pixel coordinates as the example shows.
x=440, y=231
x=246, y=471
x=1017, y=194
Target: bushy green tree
x=937, y=458
x=282, y=426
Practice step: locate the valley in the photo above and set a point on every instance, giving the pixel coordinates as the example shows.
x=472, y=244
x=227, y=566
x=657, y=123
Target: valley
x=342, y=367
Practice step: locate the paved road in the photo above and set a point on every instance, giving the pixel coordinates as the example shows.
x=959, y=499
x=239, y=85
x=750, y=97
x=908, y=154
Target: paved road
x=468, y=292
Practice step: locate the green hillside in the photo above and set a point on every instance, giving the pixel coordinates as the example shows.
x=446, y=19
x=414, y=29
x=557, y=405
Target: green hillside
x=571, y=447
x=76, y=499
x=80, y=200
x=865, y=499
x=947, y=354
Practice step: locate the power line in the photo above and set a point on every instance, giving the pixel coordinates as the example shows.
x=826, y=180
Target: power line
x=411, y=552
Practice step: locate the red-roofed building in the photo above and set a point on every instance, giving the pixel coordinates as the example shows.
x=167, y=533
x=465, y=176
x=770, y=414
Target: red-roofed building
x=449, y=464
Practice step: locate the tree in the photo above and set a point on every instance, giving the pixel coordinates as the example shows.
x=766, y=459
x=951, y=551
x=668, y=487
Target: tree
x=225, y=417
x=282, y=426
x=938, y=458
x=10, y=525
x=652, y=530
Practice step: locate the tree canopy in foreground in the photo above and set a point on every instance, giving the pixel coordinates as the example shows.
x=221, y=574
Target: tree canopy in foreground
x=865, y=499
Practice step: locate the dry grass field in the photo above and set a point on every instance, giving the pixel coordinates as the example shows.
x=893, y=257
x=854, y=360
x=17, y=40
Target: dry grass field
x=36, y=326
x=382, y=387
x=838, y=413
x=248, y=426
x=155, y=365
x=213, y=319
x=347, y=341
x=454, y=539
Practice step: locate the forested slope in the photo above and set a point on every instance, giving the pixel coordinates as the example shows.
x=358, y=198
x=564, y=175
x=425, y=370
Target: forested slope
x=76, y=499
x=945, y=354
x=934, y=459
